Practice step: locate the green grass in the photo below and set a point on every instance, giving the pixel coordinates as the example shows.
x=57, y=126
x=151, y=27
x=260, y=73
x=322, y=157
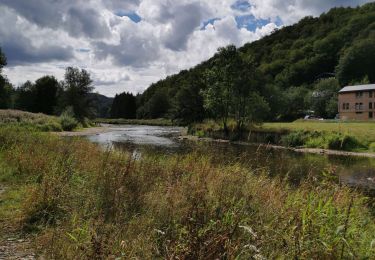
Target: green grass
x=363, y=131
x=86, y=203
x=30, y=120
x=152, y=122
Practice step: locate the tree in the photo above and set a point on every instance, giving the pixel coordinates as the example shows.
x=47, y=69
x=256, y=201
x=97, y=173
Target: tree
x=220, y=81
x=188, y=103
x=25, y=97
x=357, y=63
x=124, y=106
x=77, y=86
x=324, y=98
x=46, y=91
x=232, y=90
x=6, y=89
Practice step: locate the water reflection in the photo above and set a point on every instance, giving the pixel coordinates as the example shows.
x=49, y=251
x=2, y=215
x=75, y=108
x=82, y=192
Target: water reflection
x=357, y=172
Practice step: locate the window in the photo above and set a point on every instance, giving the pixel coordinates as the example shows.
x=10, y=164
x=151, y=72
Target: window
x=370, y=115
x=347, y=106
x=359, y=94
x=370, y=105
x=370, y=93
x=356, y=106
x=360, y=106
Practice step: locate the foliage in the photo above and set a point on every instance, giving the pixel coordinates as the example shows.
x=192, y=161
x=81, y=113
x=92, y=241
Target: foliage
x=77, y=89
x=87, y=203
x=67, y=120
x=357, y=63
x=124, y=106
x=324, y=98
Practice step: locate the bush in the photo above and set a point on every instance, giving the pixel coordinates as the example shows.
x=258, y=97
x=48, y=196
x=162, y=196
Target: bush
x=67, y=120
x=372, y=147
x=294, y=139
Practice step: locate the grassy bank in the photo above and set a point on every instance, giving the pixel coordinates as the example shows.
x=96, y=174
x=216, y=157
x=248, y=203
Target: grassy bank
x=41, y=122
x=121, y=121
x=86, y=203
x=334, y=135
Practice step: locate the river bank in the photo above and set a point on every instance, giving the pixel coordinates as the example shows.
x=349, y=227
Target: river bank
x=279, y=147
x=83, y=202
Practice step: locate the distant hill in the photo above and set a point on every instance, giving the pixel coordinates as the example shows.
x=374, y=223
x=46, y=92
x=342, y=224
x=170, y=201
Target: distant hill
x=102, y=104
x=291, y=61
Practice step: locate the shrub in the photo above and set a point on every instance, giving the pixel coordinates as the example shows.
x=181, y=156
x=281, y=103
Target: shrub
x=67, y=120
x=294, y=139
x=372, y=147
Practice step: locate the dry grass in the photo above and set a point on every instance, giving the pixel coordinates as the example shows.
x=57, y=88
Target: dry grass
x=85, y=203
x=31, y=120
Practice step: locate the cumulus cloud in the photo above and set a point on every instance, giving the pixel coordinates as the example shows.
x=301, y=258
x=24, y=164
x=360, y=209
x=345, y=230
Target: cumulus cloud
x=128, y=44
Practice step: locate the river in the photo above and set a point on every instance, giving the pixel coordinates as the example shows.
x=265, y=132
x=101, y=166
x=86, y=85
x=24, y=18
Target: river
x=353, y=171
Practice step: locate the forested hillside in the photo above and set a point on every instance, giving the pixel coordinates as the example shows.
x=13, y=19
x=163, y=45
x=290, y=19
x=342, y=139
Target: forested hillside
x=294, y=70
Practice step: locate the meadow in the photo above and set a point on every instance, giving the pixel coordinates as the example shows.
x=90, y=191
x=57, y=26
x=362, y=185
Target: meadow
x=328, y=134
x=80, y=201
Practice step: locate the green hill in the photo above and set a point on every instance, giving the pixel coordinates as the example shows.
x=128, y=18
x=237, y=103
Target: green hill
x=289, y=62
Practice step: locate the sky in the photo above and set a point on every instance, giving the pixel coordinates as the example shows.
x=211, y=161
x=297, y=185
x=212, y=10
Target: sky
x=128, y=44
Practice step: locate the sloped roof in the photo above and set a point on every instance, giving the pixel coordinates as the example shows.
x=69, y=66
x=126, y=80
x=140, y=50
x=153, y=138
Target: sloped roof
x=358, y=88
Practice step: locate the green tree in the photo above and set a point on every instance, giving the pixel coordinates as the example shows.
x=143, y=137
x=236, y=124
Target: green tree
x=6, y=88
x=188, y=103
x=232, y=90
x=357, y=63
x=25, y=97
x=324, y=98
x=124, y=106
x=46, y=90
x=77, y=86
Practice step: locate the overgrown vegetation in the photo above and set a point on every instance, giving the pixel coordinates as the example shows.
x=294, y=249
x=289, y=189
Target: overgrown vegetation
x=30, y=120
x=86, y=203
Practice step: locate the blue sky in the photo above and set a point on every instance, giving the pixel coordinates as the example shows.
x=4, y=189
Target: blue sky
x=128, y=44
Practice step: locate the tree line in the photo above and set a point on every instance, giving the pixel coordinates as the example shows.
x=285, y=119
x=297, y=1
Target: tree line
x=49, y=96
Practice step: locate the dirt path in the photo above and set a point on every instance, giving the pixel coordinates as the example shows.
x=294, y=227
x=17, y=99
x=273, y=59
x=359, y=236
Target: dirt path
x=12, y=244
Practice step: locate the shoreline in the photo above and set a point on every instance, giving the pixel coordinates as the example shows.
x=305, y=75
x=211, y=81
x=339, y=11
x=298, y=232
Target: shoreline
x=183, y=137
x=85, y=131
x=279, y=147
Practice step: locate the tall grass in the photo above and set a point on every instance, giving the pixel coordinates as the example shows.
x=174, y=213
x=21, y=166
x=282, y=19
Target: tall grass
x=85, y=203
x=31, y=120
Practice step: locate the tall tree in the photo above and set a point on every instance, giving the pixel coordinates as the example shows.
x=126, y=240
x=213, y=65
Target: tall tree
x=6, y=88
x=25, y=97
x=324, y=98
x=232, y=90
x=124, y=106
x=77, y=86
x=46, y=89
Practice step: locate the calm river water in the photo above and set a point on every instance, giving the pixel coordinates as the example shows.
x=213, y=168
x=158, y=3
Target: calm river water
x=356, y=172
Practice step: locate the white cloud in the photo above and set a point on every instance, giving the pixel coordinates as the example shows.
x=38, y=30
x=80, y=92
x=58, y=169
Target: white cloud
x=123, y=55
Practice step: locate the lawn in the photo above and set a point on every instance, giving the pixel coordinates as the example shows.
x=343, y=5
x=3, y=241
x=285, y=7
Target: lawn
x=364, y=131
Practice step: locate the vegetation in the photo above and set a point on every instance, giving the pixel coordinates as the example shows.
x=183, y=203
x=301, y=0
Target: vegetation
x=124, y=106
x=121, y=121
x=48, y=96
x=29, y=120
x=286, y=71
x=86, y=203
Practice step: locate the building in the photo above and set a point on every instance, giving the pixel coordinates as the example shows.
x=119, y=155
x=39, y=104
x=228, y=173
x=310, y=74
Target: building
x=357, y=102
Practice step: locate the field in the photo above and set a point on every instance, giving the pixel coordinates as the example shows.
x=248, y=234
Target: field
x=82, y=202
x=364, y=131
